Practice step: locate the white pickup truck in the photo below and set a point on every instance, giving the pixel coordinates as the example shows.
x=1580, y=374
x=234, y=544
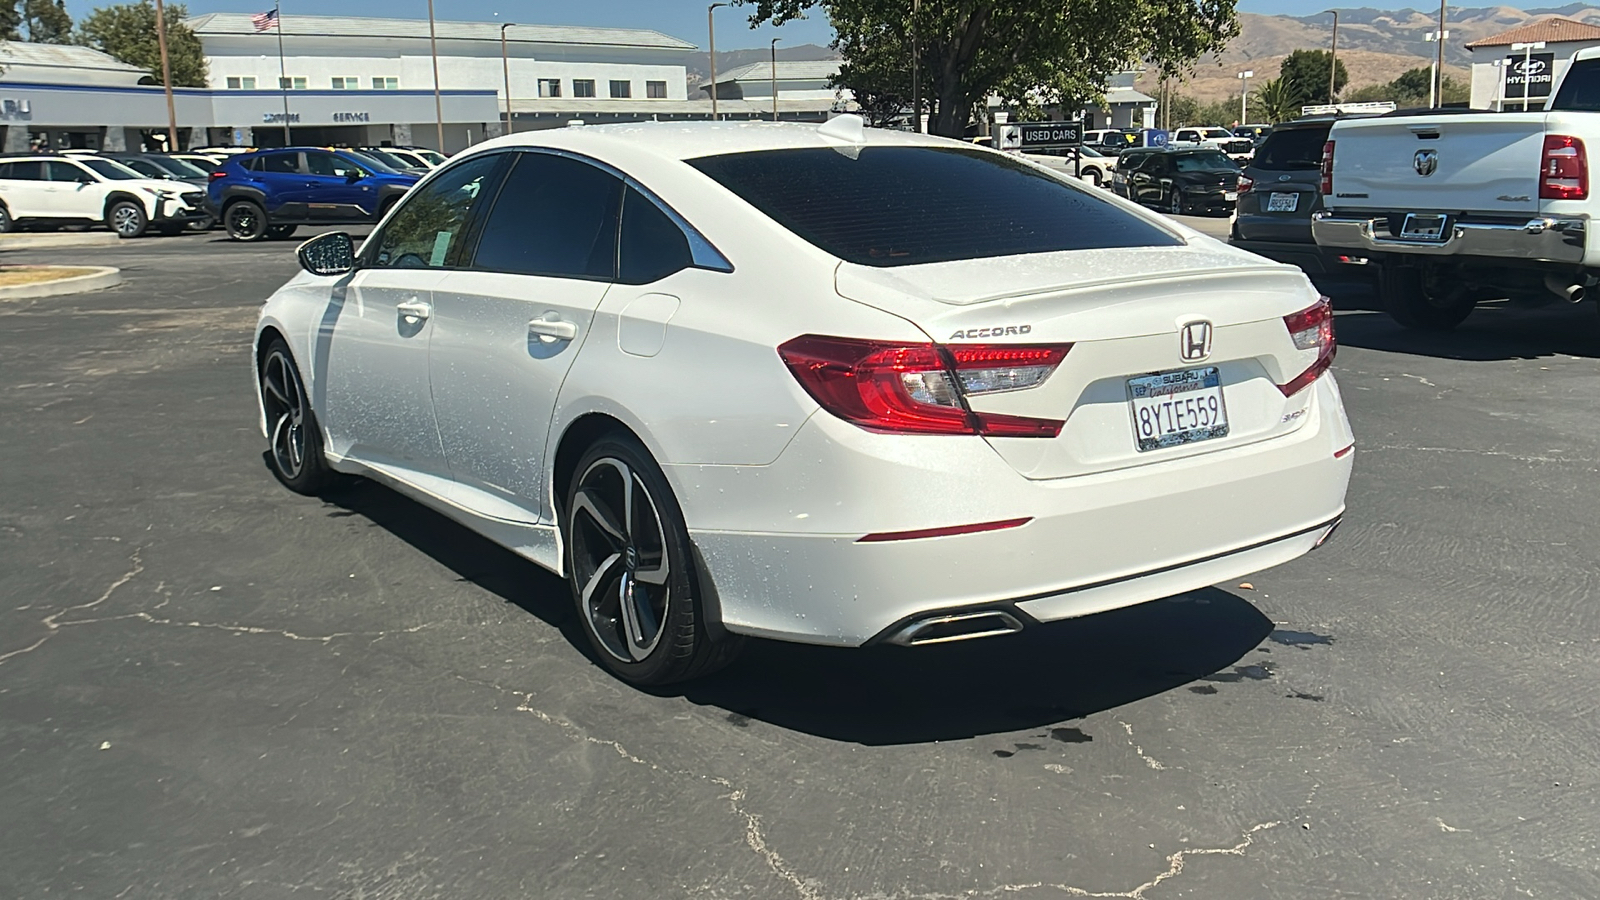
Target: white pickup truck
x=1458, y=207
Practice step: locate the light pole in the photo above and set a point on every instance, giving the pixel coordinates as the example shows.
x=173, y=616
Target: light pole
x=775, y=78
x=1527, y=59
x=711, y=33
x=1436, y=67
x=916, y=71
x=433, y=50
x=505, y=66
x=1333, y=56
x=166, y=79
x=1244, y=94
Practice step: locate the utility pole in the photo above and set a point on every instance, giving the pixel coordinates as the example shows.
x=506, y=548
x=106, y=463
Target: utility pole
x=1438, y=73
x=711, y=33
x=1333, y=57
x=433, y=49
x=505, y=65
x=916, y=71
x=775, y=78
x=166, y=78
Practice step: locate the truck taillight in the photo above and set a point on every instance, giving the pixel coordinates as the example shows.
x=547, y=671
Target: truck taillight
x=1327, y=169
x=1564, y=170
x=921, y=388
x=1311, y=329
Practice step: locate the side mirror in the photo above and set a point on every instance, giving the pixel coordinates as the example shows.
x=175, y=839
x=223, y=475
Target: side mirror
x=354, y=175
x=328, y=254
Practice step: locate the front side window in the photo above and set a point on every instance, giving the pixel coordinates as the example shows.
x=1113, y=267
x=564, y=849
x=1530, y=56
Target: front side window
x=897, y=206
x=108, y=169
x=652, y=246
x=621, y=90
x=56, y=170
x=655, y=90
x=549, y=87
x=329, y=165
x=430, y=227
x=556, y=216
x=583, y=87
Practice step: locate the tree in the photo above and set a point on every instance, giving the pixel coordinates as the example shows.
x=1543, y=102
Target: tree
x=1411, y=89
x=9, y=21
x=47, y=22
x=1274, y=102
x=128, y=32
x=1032, y=54
x=1305, y=76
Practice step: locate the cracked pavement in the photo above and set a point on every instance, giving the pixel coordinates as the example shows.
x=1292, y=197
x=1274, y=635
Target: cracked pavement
x=210, y=687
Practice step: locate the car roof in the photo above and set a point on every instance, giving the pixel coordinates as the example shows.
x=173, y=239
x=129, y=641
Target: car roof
x=690, y=140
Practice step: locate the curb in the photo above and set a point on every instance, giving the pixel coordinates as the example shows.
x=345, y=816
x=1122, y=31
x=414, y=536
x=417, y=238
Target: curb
x=103, y=277
x=48, y=241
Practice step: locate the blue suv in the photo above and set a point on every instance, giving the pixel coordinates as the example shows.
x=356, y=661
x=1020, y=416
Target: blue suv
x=267, y=194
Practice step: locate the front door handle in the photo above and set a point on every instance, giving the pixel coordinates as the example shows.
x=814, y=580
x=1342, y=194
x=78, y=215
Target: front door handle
x=414, y=310
x=549, y=328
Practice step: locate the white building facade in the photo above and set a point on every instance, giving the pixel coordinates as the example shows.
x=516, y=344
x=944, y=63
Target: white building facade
x=1506, y=71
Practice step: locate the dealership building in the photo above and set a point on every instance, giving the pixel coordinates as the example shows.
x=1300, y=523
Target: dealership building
x=346, y=80
x=1516, y=69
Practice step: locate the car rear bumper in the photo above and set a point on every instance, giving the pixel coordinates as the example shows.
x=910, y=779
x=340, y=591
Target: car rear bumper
x=787, y=559
x=1558, y=239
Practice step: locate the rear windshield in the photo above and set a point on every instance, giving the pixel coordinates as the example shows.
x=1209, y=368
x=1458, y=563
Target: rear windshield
x=901, y=206
x=1292, y=148
x=1580, y=89
x=1202, y=162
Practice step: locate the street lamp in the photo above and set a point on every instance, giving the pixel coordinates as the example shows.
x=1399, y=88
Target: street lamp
x=1333, y=56
x=775, y=78
x=1244, y=94
x=505, y=66
x=1527, y=58
x=711, y=32
x=1435, y=68
x=916, y=71
x=433, y=50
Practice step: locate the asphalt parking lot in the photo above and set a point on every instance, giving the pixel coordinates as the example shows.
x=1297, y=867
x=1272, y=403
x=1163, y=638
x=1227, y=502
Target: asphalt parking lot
x=211, y=687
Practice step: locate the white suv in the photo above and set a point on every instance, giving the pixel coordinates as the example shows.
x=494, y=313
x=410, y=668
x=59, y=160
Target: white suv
x=77, y=190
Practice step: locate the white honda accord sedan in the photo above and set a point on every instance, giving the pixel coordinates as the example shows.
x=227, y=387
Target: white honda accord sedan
x=821, y=384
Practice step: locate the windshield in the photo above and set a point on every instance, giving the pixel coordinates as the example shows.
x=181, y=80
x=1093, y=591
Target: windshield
x=429, y=155
x=1202, y=162
x=105, y=168
x=388, y=159
x=1222, y=133
x=899, y=206
x=200, y=164
x=371, y=161
x=178, y=167
x=145, y=167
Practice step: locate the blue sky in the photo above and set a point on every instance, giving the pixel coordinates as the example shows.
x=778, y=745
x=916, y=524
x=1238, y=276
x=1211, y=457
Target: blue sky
x=684, y=19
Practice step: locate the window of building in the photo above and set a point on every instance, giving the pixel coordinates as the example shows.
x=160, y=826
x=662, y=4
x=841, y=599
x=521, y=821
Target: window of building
x=347, y=83
x=655, y=90
x=621, y=90
x=241, y=82
x=550, y=87
x=583, y=87
x=386, y=84
x=555, y=216
x=291, y=84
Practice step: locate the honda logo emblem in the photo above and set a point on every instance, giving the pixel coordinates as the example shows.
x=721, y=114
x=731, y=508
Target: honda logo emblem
x=1194, y=341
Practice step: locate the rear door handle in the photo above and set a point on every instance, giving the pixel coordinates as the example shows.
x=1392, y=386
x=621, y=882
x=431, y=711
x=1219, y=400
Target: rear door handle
x=414, y=310
x=549, y=328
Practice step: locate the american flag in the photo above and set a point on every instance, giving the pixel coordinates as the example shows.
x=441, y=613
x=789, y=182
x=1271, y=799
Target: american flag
x=265, y=21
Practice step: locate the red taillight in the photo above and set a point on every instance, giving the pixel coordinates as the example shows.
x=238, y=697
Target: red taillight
x=1327, y=169
x=1564, y=170
x=1246, y=184
x=1311, y=329
x=921, y=388
x=218, y=173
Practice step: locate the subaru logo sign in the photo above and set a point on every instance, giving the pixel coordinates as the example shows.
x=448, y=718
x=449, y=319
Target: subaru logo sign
x=1194, y=341
x=1426, y=162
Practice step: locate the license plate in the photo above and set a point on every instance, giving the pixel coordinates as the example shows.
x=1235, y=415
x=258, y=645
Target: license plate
x=1283, y=202
x=1423, y=227
x=1230, y=196
x=1172, y=408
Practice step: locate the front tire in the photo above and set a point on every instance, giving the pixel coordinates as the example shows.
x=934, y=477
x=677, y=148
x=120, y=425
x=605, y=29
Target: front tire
x=1175, y=204
x=294, y=440
x=127, y=219
x=1419, y=303
x=7, y=224
x=631, y=571
x=245, y=221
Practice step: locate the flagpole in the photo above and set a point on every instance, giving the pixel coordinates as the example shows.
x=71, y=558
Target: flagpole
x=283, y=75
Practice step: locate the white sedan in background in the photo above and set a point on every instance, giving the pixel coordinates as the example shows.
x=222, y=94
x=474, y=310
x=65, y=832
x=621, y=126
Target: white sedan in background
x=821, y=384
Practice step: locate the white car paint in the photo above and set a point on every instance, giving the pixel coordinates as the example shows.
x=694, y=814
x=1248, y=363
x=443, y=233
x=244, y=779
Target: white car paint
x=777, y=493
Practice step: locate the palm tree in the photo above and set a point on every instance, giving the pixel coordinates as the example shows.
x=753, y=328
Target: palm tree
x=1275, y=101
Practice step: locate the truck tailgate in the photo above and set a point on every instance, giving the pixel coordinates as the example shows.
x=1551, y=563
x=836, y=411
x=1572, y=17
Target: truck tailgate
x=1450, y=163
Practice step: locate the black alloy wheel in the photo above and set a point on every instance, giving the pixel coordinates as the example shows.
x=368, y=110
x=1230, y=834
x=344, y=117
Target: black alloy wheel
x=631, y=570
x=245, y=221
x=294, y=441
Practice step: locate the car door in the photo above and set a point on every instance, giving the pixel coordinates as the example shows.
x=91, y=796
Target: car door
x=22, y=187
x=378, y=404
x=509, y=329
x=282, y=178
x=338, y=190
x=73, y=192
x=1146, y=182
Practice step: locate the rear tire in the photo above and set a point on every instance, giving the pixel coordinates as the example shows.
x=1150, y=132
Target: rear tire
x=127, y=219
x=632, y=573
x=1419, y=303
x=245, y=220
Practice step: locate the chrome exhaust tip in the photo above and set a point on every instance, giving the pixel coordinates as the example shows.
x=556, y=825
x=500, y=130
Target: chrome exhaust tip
x=943, y=629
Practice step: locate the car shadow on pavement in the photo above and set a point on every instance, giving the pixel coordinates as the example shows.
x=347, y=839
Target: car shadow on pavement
x=1044, y=676
x=1494, y=331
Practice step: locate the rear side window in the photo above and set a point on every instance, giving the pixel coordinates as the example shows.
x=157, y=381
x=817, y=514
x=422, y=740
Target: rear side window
x=555, y=216
x=898, y=206
x=21, y=171
x=1292, y=148
x=281, y=163
x=652, y=245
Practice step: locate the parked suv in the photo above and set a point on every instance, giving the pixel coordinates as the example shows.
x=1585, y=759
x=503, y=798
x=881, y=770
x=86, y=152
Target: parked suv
x=269, y=193
x=78, y=190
